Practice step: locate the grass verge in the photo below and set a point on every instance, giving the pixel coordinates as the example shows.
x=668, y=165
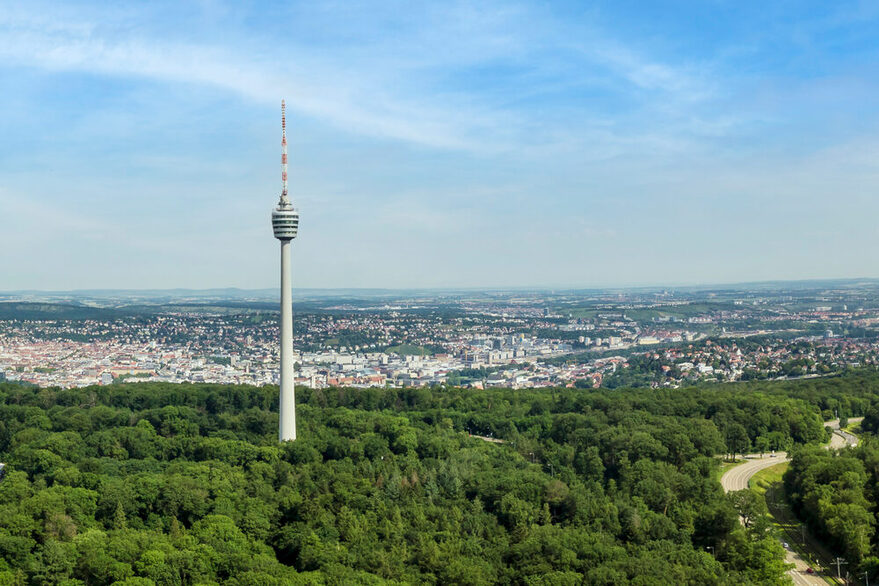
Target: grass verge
x=763, y=480
x=726, y=465
x=853, y=428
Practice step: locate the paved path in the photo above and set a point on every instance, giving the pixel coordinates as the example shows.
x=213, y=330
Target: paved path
x=485, y=438
x=737, y=478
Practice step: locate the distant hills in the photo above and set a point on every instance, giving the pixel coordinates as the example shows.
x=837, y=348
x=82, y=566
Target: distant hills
x=85, y=303
x=48, y=311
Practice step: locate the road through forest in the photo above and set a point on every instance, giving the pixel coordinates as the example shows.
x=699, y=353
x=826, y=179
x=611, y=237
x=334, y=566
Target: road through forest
x=737, y=478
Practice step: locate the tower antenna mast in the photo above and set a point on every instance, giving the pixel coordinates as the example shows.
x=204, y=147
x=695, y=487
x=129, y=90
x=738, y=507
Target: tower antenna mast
x=284, y=199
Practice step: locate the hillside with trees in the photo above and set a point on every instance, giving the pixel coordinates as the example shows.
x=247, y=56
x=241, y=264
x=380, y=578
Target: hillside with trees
x=142, y=484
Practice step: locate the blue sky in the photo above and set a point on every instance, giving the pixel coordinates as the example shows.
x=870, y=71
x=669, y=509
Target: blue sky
x=438, y=144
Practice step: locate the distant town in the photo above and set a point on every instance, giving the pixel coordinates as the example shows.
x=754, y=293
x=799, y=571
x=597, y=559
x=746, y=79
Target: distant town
x=515, y=339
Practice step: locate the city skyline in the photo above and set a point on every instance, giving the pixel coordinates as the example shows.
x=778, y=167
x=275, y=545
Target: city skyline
x=518, y=340
x=496, y=145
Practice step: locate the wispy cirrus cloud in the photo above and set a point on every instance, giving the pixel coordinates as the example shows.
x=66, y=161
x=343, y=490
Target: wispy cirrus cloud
x=395, y=89
x=183, y=63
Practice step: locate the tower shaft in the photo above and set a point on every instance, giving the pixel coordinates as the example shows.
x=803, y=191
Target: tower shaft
x=287, y=409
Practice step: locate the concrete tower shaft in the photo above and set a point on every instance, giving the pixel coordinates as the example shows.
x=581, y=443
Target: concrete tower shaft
x=287, y=405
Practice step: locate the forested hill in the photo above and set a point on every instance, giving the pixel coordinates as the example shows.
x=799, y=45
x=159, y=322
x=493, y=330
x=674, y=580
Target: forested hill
x=142, y=484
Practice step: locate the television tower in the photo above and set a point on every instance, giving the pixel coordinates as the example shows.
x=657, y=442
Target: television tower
x=285, y=224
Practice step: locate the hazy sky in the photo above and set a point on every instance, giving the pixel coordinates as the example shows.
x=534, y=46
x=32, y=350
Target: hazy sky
x=438, y=144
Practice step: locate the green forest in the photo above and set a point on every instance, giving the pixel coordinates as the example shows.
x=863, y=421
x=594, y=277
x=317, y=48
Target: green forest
x=142, y=484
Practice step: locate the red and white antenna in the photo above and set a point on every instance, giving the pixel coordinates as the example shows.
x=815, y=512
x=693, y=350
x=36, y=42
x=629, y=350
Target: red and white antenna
x=283, y=150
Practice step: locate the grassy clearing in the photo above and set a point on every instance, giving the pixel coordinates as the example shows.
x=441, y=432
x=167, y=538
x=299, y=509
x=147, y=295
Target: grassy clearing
x=408, y=350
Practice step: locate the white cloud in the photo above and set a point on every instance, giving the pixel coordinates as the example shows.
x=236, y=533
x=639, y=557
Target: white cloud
x=344, y=100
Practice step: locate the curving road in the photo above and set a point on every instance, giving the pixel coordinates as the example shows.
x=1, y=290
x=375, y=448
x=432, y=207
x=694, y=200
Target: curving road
x=737, y=478
x=842, y=438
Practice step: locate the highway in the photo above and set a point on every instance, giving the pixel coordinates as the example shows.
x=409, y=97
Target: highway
x=737, y=478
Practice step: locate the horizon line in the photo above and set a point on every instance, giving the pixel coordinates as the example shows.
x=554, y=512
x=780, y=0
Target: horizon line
x=456, y=288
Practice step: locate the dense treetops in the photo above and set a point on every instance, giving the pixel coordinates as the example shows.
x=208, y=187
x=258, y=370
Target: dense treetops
x=829, y=491
x=142, y=484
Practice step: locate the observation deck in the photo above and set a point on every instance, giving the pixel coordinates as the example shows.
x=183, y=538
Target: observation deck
x=285, y=221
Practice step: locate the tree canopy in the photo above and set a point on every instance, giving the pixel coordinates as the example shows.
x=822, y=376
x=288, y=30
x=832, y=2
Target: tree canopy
x=141, y=484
